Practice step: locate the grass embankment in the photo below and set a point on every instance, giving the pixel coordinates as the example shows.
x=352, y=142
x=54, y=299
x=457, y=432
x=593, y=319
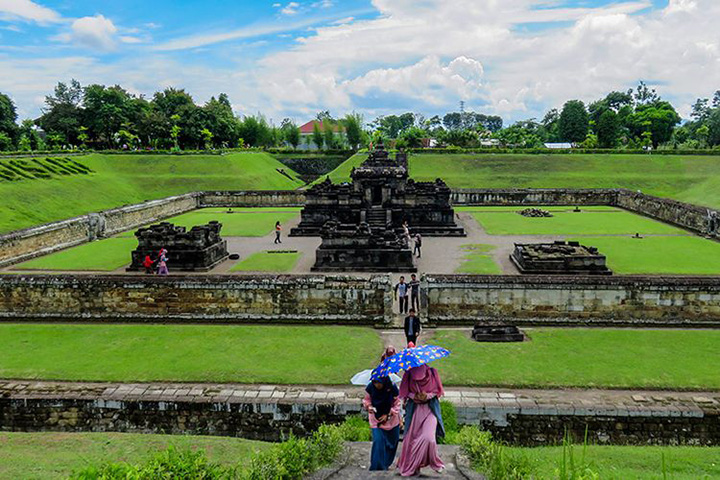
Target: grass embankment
x=268, y=261
x=127, y=179
x=113, y=253
x=624, y=463
x=607, y=358
x=57, y=455
x=589, y=221
x=694, y=179
x=188, y=353
x=478, y=260
x=673, y=359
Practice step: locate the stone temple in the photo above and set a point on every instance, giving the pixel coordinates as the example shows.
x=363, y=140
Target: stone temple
x=197, y=250
x=559, y=258
x=383, y=196
x=362, y=249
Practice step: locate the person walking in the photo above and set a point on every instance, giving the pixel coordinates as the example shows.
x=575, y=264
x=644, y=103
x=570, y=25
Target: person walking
x=414, y=286
x=382, y=402
x=421, y=388
x=401, y=292
x=418, y=245
x=162, y=262
x=148, y=264
x=412, y=327
x=278, y=231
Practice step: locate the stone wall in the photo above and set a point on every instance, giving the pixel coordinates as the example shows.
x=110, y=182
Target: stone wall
x=31, y=242
x=216, y=299
x=532, y=196
x=270, y=413
x=555, y=300
x=259, y=198
x=685, y=215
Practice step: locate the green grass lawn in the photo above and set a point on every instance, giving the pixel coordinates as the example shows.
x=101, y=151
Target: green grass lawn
x=102, y=255
x=187, y=353
x=598, y=221
x=580, y=357
x=243, y=222
x=617, y=358
x=658, y=255
x=694, y=179
x=45, y=456
x=631, y=463
x=126, y=179
x=268, y=262
x=478, y=260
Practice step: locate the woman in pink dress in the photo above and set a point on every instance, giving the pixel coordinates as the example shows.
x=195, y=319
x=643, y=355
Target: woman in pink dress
x=422, y=388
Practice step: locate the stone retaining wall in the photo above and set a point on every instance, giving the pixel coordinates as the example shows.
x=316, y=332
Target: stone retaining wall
x=554, y=300
x=533, y=196
x=32, y=242
x=270, y=413
x=270, y=198
x=216, y=299
x=685, y=215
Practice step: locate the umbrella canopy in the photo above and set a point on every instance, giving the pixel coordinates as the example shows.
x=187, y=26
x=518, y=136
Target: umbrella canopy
x=407, y=359
x=363, y=378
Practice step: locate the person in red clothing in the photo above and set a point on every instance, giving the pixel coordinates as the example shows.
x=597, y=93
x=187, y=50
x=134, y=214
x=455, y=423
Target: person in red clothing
x=148, y=264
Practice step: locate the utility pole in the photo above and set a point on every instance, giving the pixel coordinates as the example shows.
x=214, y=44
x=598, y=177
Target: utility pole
x=462, y=106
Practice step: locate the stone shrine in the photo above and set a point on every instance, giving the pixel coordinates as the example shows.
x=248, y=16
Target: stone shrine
x=381, y=195
x=197, y=250
x=559, y=258
x=362, y=249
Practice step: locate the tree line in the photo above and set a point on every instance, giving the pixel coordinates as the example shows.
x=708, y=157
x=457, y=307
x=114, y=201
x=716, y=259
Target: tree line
x=101, y=117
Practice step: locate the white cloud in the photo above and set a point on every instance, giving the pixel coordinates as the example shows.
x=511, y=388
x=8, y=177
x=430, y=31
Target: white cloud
x=290, y=9
x=28, y=11
x=99, y=33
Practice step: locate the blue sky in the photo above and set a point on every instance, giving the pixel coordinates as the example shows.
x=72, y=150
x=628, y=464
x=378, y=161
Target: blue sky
x=516, y=58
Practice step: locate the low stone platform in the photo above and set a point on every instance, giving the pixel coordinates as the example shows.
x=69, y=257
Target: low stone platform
x=266, y=412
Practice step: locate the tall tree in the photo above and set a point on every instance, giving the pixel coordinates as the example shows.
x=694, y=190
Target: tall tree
x=62, y=114
x=608, y=129
x=8, y=117
x=655, y=120
x=353, y=129
x=290, y=132
x=317, y=136
x=574, y=122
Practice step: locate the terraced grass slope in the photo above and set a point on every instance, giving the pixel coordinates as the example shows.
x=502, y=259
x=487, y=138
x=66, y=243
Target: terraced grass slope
x=117, y=180
x=693, y=179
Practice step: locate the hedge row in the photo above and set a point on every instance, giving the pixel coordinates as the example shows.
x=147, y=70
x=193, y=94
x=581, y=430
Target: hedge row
x=14, y=169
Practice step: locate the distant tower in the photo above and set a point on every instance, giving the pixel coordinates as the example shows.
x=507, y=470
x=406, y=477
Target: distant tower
x=462, y=106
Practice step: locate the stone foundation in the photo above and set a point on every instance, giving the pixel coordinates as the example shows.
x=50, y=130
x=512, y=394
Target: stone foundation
x=565, y=301
x=196, y=298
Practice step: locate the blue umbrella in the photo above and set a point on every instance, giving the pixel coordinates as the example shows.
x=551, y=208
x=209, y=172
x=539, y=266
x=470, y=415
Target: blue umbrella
x=407, y=359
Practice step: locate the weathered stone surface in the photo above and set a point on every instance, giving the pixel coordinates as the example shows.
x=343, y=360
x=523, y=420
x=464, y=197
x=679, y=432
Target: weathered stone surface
x=566, y=300
x=559, y=258
x=382, y=195
x=252, y=298
x=362, y=249
x=199, y=249
x=252, y=198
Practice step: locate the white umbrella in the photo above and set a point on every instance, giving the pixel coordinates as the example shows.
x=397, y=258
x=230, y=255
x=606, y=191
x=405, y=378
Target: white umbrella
x=363, y=378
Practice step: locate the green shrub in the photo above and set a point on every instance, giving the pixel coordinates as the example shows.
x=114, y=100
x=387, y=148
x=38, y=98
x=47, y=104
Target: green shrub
x=329, y=441
x=449, y=416
x=492, y=458
x=356, y=429
x=171, y=463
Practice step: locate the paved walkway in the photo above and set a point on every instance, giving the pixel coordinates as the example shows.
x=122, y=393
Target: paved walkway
x=547, y=401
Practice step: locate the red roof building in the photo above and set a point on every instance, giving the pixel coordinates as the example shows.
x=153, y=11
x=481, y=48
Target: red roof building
x=309, y=127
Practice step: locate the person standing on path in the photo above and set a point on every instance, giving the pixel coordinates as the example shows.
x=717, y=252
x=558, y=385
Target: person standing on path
x=382, y=402
x=414, y=286
x=278, y=231
x=401, y=292
x=418, y=245
x=422, y=388
x=148, y=264
x=162, y=263
x=412, y=327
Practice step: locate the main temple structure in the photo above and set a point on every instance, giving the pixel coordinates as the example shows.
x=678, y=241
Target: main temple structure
x=383, y=196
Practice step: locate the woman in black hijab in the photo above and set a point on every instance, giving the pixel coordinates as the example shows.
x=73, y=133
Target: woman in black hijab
x=383, y=404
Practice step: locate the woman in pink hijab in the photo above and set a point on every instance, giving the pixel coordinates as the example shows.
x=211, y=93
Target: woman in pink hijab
x=422, y=388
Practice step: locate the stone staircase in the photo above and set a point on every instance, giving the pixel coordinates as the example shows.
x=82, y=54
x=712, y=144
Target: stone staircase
x=355, y=462
x=376, y=217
